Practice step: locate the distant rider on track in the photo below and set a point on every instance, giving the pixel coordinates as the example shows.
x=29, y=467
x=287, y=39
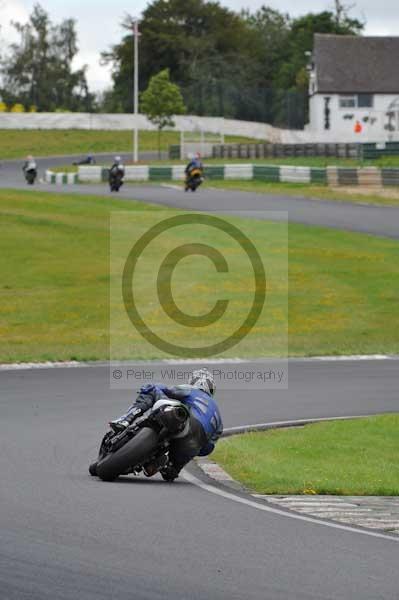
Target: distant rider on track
x=194, y=166
x=30, y=169
x=116, y=174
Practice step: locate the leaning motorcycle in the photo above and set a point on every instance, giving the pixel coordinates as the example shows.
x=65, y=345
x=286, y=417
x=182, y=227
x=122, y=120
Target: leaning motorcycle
x=193, y=179
x=30, y=176
x=115, y=180
x=143, y=446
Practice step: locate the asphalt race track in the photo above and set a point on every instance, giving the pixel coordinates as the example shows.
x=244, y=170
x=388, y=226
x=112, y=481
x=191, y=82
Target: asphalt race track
x=376, y=220
x=67, y=536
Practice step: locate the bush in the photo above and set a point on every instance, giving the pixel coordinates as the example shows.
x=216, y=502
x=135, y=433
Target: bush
x=17, y=108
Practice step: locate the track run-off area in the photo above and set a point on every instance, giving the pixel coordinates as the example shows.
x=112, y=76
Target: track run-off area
x=65, y=535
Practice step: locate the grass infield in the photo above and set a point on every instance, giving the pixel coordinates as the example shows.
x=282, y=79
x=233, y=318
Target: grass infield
x=17, y=143
x=355, y=457
x=385, y=197
x=55, y=284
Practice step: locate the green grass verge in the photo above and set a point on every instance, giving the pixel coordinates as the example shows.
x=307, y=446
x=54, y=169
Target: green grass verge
x=17, y=143
x=319, y=192
x=356, y=457
x=315, y=161
x=54, y=290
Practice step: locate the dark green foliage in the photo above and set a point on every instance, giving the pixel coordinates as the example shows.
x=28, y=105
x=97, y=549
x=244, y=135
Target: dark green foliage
x=248, y=66
x=38, y=69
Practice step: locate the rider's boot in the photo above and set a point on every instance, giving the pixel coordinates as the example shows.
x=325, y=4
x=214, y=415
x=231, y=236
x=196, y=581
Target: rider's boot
x=126, y=420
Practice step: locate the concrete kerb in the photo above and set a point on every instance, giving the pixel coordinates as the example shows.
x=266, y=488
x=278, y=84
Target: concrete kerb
x=371, y=512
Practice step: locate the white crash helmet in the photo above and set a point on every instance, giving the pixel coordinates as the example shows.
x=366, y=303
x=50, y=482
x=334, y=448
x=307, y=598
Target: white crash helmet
x=203, y=380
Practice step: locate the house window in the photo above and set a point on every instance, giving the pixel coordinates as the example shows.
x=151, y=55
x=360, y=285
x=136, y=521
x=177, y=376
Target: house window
x=347, y=102
x=365, y=100
x=357, y=101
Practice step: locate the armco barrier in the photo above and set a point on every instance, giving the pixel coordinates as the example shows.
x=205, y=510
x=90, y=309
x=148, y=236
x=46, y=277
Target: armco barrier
x=332, y=176
x=318, y=175
x=390, y=176
x=266, y=173
x=92, y=174
x=160, y=173
x=61, y=178
x=238, y=172
x=295, y=174
x=365, y=176
x=369, y=176
x=348, y=176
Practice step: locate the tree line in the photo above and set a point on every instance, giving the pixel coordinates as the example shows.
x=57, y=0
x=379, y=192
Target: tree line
x=247, y=65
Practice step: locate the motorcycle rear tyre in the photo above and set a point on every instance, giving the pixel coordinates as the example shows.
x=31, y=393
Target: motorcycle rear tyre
x=132, y=453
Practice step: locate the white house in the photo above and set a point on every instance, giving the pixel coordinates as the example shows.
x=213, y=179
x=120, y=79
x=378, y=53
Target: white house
x=354, y=89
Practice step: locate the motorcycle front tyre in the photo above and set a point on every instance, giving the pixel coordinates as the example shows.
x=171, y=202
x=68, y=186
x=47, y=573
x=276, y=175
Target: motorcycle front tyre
x=134, y=452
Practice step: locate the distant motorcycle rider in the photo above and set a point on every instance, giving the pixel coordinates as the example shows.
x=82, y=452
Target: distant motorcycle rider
x=204, y=426
x=117, y=171
x=194, y=173
x=195, y=163
x=89, y=160
x=29, y=165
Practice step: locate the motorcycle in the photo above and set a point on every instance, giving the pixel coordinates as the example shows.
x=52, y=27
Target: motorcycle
x=193, y=179
x=115, y=179
x=30, y=176
x=143, y=446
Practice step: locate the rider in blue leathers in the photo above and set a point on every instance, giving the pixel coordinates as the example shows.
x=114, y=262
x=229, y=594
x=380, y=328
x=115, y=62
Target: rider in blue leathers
x=205, y=421
x=195, y=163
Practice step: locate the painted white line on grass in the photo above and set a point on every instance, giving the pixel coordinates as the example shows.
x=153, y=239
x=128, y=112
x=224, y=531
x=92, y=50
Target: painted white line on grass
x=265, y=508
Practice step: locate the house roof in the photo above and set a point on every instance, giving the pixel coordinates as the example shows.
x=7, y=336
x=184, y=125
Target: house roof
x=351, y=64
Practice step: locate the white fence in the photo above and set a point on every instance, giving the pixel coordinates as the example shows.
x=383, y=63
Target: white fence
x=215, y=125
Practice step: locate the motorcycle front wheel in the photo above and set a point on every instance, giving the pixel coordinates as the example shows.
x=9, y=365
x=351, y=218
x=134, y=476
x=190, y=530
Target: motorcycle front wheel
x=133, y=453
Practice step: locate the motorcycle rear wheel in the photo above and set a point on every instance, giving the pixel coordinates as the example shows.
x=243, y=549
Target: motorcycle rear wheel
x=131, y=454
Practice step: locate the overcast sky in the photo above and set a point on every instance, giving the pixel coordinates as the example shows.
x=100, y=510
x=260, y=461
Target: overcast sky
x=98, y=21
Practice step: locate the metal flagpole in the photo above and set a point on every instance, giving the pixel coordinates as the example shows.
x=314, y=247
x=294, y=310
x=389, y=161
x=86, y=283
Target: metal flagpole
x=136, y=89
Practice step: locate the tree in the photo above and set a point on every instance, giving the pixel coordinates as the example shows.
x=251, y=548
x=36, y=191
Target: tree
x=160, y=101
x=189, y=38
x=38, y=70
x=249, y=66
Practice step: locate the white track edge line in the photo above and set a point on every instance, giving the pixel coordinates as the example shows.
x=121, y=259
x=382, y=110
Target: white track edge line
x=229, y=496
x=214, y=361
x=293, y=422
